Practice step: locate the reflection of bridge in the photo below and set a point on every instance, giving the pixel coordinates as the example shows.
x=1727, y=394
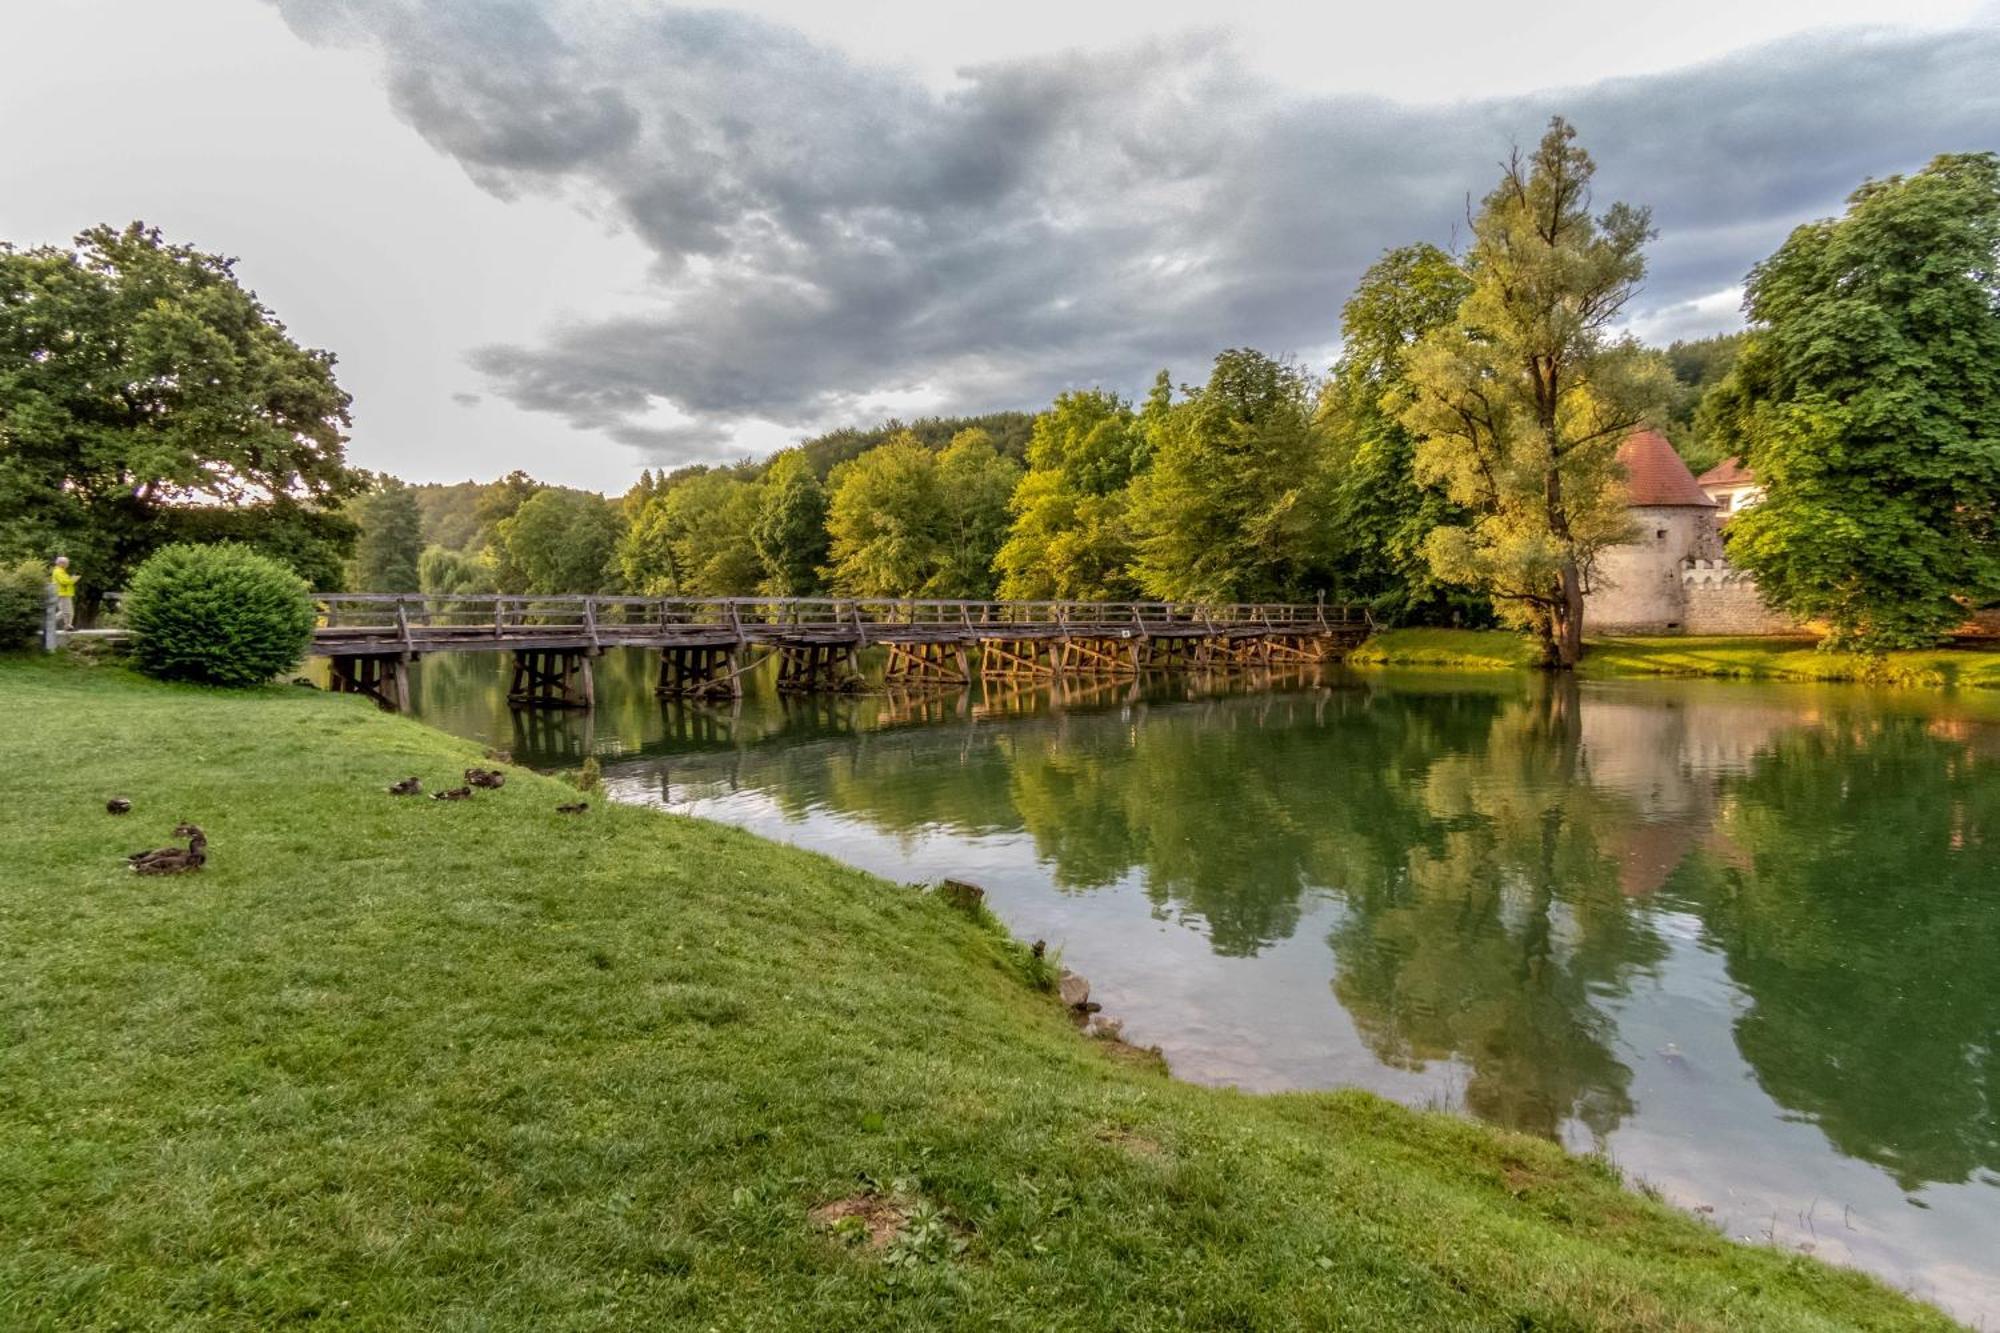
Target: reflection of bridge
x=707, y=645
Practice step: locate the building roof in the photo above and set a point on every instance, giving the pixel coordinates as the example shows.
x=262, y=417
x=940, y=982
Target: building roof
x=1729, y=472
x=1655, y=474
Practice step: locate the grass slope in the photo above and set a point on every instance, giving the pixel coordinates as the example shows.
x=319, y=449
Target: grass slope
x=1679, y=655
x=398, y=1063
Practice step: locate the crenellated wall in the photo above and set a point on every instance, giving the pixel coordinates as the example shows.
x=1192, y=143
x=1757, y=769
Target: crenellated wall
x=1719, y=598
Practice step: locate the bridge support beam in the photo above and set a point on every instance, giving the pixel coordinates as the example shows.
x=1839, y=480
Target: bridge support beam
x=708, y=672
x=1088, y=656
x=926, y=664
x=817, y=668
x=1019, y=657
x=552, y=678
x=385, y=678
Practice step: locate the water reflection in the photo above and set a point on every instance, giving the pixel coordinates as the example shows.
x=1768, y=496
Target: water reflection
x=1746, y=939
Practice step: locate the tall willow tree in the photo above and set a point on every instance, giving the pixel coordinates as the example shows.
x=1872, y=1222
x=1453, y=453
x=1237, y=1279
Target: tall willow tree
x=1519, y=404
x=1868, y=403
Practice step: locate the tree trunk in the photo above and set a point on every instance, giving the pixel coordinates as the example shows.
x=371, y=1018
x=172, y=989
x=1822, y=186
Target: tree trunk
x=1569, y=618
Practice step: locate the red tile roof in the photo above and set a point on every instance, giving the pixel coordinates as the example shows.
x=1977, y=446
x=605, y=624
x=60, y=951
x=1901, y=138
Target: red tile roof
x=1655, y=474
x=1729, y=472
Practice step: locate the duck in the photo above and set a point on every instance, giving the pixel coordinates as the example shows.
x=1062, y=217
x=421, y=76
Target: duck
x=174, y=860
x=485, y=777
x=407, y=787
x=118, y=805
x=573, y=808
x=453, y=794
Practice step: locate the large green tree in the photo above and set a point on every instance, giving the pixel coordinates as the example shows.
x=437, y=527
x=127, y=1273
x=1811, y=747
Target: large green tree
x=561, y=541
x=1382, y=515
x=694, y=538
x=1520, y=403
x=1071, y=536
x=884, y=520
x=790, y=529
x=391, y=541
x=1238, y=503
x=1868, y=404
x=974, y=485
x=137, y=377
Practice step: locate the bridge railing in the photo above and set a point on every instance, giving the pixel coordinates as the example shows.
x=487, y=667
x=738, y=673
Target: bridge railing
x=407, y=617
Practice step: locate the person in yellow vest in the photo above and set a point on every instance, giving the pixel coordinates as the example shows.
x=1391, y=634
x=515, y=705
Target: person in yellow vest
x=65, y=593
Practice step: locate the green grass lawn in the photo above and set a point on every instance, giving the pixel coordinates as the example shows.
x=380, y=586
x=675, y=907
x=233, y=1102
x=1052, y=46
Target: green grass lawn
x=1679, y=655
x=396, y=1063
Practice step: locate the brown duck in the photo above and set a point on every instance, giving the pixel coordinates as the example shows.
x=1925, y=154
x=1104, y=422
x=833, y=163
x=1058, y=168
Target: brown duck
x=573, y=808
x=453, y=794
x=407, y=787
x=174, y=860
x=485, y=777
x=118, y=805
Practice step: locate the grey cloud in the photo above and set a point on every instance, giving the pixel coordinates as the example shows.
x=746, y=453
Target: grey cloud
x=825, y=232
x=468, y=399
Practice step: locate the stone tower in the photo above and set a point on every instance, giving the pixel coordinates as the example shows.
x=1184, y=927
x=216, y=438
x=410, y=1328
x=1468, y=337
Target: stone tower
x=1637, y=588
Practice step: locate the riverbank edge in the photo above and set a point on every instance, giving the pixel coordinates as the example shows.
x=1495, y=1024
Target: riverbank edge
x=370, y=1019
x=1720, y=658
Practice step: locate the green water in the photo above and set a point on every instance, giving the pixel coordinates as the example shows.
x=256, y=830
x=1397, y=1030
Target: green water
x=1743, y=939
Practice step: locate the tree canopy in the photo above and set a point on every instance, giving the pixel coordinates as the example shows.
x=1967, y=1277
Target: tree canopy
x=1867, y=401
x=138, y=377
x=1520, y=403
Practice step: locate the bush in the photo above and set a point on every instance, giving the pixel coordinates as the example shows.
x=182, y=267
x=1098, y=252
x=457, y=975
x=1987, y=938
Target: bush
x=220, y=614
x=23, y=597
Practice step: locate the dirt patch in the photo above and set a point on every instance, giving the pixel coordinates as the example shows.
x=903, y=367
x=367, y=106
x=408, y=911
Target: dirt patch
x=1108, y=1035
x=859, y=1216
x=1519, y=1179
x=1129, y=1141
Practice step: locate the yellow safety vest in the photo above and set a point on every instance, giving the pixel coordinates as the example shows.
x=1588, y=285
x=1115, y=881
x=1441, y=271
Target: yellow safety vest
x=64, y=580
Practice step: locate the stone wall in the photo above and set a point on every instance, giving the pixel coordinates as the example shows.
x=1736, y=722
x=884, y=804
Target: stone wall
x=1718, y=598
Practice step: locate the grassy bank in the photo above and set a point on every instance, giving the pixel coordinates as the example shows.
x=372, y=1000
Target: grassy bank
x=394, y=1062
x=1737, y=658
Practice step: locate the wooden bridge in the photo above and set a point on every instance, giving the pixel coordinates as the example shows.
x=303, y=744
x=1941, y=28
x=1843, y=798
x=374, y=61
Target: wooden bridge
x=707, y=645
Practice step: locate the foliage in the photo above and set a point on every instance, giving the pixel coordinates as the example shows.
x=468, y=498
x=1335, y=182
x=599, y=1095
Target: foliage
x=313, y=541
x=974, y=484
x=557, y=541
x=694, y=539
x=1382, y=516
x=220, y=614
x=24, y=592
x=391, y=540
x=1071, y=537
x=443, y=570
x=1008, y=431
x=659, y=1043
x=790, y=529
x=1521, y=402
x=137, y=375
x=1868, y=404
x=1238, y=503
x=904, y=521
x=1697, y=366
x=451, y=514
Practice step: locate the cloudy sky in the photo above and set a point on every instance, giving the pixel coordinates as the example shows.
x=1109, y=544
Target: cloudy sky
x=586, y=236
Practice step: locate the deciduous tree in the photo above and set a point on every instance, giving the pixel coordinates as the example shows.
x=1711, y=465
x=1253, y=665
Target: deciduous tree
x=391, y=541
x=1071, y=536
x=790, y=529
x=1520, y=403
x=1868, y=404
x=561, y=541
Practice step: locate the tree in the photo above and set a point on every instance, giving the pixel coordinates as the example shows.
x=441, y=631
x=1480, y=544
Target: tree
x=790, y=528
x=974, y=485
x=693, y=539
x=391, y=540
x=884, y=520
x=1382, y=515
x=1071, y=536
x=1520, y=403
x=1868, y=404
x=561, y=541
x=137, y=377
x=443, y=570
x=1238, y=503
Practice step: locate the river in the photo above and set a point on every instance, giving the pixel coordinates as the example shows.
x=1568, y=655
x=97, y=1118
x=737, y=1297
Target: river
x=1742, y=939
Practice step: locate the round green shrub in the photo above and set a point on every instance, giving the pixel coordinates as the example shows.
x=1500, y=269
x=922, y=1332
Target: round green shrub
x=221, y=614
x=24, y=591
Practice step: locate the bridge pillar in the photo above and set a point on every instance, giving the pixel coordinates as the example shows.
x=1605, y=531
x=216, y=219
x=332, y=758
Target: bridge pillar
x=926, y=664
x=706, y=672
x=1019, y=657
x=552, y=678
x=814, y=668
x=1091, y=656
x=384, y=677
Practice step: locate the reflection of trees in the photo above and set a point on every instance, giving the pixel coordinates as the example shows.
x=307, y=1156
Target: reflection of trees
x=1485, y=917
x=1859, y=908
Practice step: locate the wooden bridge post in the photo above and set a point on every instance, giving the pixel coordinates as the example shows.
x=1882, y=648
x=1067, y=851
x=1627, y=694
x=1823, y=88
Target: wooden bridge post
x=543, y=679
x=383, y=677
